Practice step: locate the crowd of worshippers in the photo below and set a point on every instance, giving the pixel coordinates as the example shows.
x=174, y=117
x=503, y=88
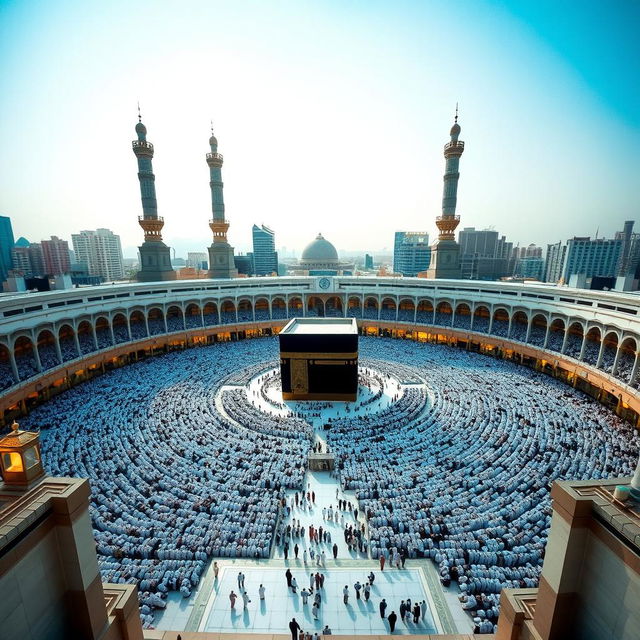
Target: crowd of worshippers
x=173, y=482
x=467, y=483
x=461, y=476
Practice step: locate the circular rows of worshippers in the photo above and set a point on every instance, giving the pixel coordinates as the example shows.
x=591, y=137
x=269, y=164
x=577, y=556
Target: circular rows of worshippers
x=462, y=478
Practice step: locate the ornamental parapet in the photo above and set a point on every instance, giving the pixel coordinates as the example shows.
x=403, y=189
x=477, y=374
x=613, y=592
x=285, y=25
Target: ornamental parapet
x=455, y=145
x=142, y=146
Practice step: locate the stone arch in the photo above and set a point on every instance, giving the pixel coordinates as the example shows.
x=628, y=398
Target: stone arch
x=406, y=310
x=174, y=319
x=481, y=319
x=245, y=310
x=7, y=378
x=609, y=351
x=155, y=319
x=295, y=308
x=500, y=322
x=261, y=309
x=120, y=328
x=591, y=349
x=444, y=314
x=103, y=332
x=519, y=326
x=626, y=359
x=388, y=309
x=193, y=316
x=67, y=342
x=538, y=331
x=462, y=316
x=424, y=311
x=47, y=349
x=24, y=354
x=210, y=314
x=556, y=335
x=370, y=308
x=137, y=325
x=86, y=337
x=228, y=314
x=575, y=338
x=315, y=307
x=333, y=307
x=354, y=307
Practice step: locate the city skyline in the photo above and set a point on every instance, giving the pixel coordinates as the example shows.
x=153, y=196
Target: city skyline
x=321, y=138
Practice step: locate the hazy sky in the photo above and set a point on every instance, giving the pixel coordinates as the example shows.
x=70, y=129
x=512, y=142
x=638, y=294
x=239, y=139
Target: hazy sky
x=331, y=116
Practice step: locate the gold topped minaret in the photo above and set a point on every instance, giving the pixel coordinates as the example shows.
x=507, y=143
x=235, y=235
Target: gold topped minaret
x=221, y=260
x=445, y=252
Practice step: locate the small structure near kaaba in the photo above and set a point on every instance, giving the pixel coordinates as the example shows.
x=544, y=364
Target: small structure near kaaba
x=319, y=359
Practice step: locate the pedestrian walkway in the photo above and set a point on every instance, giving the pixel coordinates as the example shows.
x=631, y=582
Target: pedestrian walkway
x=273, y=614
x=324, y=486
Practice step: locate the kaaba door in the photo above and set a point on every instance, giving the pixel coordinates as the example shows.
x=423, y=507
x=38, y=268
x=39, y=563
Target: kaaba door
x=299, y=376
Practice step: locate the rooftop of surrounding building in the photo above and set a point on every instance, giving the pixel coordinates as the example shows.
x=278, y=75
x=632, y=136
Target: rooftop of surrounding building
x=310, y=326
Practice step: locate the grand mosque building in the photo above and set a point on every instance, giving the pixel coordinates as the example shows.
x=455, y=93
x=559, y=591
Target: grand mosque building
x=157, y=484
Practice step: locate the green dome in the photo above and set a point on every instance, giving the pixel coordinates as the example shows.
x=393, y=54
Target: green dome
x=320, y=250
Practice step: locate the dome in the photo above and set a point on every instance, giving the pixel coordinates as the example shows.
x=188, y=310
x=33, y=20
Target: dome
x=141, y=129
x=320, y=250
x=455, y=130
x=213, y=141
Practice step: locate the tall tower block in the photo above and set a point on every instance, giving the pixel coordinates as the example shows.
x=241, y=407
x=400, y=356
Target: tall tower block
x=221, y=261
x=445, y=252
x=155, y=256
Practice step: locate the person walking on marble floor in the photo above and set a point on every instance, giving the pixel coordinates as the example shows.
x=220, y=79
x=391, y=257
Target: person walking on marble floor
x=345, y=594
x=382, y=561
x=392, y=621
x=294, y=584
x=261, y=592
x=335, y=550
x=383, y=607
x=232, y=599
x=288, y=576
x=294, y=627
x=305, y=596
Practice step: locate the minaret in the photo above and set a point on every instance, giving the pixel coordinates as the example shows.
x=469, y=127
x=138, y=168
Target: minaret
x=155, y=256
x=221, y=261
x=445, y=252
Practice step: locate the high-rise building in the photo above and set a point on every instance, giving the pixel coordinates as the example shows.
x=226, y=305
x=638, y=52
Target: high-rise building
x=531, y=267
x=101, y=251
x=445, y=253
x=221, y=262
x=583, y=256
x=244, y=264
x=27, y=259
x=55, y=253
x=265, y=258
x=411, y=252
x=155, y=256
x=6, y=245
x=630, y=250
x=485, y=255
x=197, y=260
x=368, y=261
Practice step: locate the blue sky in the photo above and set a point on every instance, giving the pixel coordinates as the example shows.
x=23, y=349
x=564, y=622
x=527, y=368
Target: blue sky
x=331, y=116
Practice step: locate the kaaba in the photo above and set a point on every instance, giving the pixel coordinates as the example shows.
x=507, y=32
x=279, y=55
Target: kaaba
x=319, y=359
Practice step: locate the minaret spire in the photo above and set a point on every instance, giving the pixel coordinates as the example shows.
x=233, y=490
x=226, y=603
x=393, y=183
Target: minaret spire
x=155, y=259
x=221, y=259
x=445, y=253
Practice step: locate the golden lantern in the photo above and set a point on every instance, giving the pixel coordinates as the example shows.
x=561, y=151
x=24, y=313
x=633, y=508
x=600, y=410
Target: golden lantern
x=20, y=460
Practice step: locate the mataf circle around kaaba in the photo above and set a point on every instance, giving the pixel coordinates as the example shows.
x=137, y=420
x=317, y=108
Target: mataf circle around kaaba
x=443, y=465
